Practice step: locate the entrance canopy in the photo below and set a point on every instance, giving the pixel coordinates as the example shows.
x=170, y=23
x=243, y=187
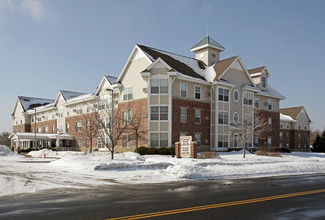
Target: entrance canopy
x=39, y=136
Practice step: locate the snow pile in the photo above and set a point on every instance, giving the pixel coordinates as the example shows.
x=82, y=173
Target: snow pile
x=78, y=169
x=5, y=151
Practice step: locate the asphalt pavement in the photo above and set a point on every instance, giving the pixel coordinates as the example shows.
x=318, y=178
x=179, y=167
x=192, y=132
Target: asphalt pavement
x=289, y=197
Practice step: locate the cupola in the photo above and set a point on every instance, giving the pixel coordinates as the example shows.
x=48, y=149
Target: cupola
x=208, y=50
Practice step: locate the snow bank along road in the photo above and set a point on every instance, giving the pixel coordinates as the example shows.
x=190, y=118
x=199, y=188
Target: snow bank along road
x=20, y=174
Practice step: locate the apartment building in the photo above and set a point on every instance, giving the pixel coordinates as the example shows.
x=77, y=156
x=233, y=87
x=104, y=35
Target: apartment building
x=204, y=97
x=295, y=129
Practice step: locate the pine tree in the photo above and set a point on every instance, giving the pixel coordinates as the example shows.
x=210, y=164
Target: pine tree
x=319, y=143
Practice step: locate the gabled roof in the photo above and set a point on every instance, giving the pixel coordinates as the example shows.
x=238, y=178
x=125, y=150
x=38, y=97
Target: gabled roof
x=208, y=41
x=185, y=65
x=69, y=94
x=293, y=112
x=221, y=66
x=28, y=103
x=256, y=70
x=111, y=79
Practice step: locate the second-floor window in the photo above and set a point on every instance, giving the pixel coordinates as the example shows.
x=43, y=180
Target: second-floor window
x=269, y=122
x=127, y=140
x=223, y=118
x=159, y=112
x=269, y=104
x=183, y=115
x=127, y=117
x=159, y=86
x=197, y=116
x=79, y=126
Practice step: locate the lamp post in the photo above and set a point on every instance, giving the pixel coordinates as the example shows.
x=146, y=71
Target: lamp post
x=112, y=111
x=35, y=130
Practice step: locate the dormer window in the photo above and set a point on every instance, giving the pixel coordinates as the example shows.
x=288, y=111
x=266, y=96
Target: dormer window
x=264, y=82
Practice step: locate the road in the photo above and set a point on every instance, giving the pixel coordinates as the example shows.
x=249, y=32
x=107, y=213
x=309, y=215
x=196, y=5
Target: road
x=260, y=198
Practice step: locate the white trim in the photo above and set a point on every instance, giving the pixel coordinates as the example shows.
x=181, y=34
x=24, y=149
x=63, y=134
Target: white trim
x=181, y=76
x=159, y=60
x=136, y=47
x=207, y=45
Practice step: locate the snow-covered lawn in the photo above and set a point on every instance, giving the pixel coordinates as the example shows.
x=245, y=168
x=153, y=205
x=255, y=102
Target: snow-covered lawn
x=20, y=174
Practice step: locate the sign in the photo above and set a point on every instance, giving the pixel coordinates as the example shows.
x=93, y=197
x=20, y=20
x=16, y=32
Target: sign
x=185, y=142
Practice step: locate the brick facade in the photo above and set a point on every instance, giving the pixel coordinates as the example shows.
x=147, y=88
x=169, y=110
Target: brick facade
x=190, y=127
x=272, y=131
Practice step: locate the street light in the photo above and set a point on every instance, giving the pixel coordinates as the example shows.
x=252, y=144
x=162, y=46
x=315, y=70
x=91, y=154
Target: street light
x=112, y=111
x=35, y=130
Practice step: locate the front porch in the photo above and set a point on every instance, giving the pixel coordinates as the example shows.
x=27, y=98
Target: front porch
x=28, y=140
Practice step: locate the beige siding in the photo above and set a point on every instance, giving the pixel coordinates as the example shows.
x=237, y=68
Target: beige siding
x=205, y=90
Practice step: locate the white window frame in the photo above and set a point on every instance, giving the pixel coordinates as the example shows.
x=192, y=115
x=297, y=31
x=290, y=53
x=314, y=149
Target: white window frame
x=161, y=89
x=127, y=117
x=79, y=143
x=198, y=140
x=269, y=104
x=234, y=95
x=270, y=123
x=248, y=99
x=223, y=95
x=257, y=102
x=183, y=114
x=128, y=93
x=181, y=90
x=224, y=116
x=78, y=126
x=197, y=116
x=236, y=115
x=199, y=93
x=127, y=140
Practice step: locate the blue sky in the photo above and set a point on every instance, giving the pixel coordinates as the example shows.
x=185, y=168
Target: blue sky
x=48, y=45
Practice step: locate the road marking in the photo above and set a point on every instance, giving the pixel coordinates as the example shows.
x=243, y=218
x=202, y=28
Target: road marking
x=218, y=205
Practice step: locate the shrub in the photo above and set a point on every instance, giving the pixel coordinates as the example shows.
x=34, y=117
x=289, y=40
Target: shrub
x=207, y=155
x=283, y=150
x=142, y=150
x=153, y=150
x=163, y=151
x=268, y=153
x=171, y=151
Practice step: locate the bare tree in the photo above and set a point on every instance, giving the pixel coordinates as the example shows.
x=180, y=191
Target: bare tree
x=4, y=139
x=90, y=130
x=136, y=124
x=250, y=125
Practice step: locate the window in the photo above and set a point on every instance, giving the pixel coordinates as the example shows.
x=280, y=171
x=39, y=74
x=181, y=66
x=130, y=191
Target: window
x=263, y=82
x=60, y=129
x=197, y=138
x=281, y=126
x=67, y=143
x=101, y=104
x=236, y=118
x=299, y=136
x=197, y=116
x=87, y=143
x=223, y=95
x=269, y=142
x=269, y=104
x=159, y=139
x=79, y=109
x=183, y=115
x=154, y=112
x=127, y=94
x=288, y=134
x=269, y=122
x=236, y=96
x=159, y=112
x=46, y=129
x=53, y=129
x=79, y=126
x=79, y=143
x=281, y=135
x=159, y=86
x=100, y=143
x=61, y=113
x=39, y=130
x=248, y=99
x=163, y=112
x=197, y=90
x=183, y=90
x=67, y=127
x=127, y=140
x=222, y=141
x=127, y=117
x=223, y=118
x=257, y=102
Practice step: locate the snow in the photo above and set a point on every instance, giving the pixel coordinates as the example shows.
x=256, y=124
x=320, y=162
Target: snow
x=67, y=169
x=29, y=102
x=286, y=118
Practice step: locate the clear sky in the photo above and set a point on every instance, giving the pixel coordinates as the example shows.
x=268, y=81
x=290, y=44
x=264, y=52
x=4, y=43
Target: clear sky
x=48, y=45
